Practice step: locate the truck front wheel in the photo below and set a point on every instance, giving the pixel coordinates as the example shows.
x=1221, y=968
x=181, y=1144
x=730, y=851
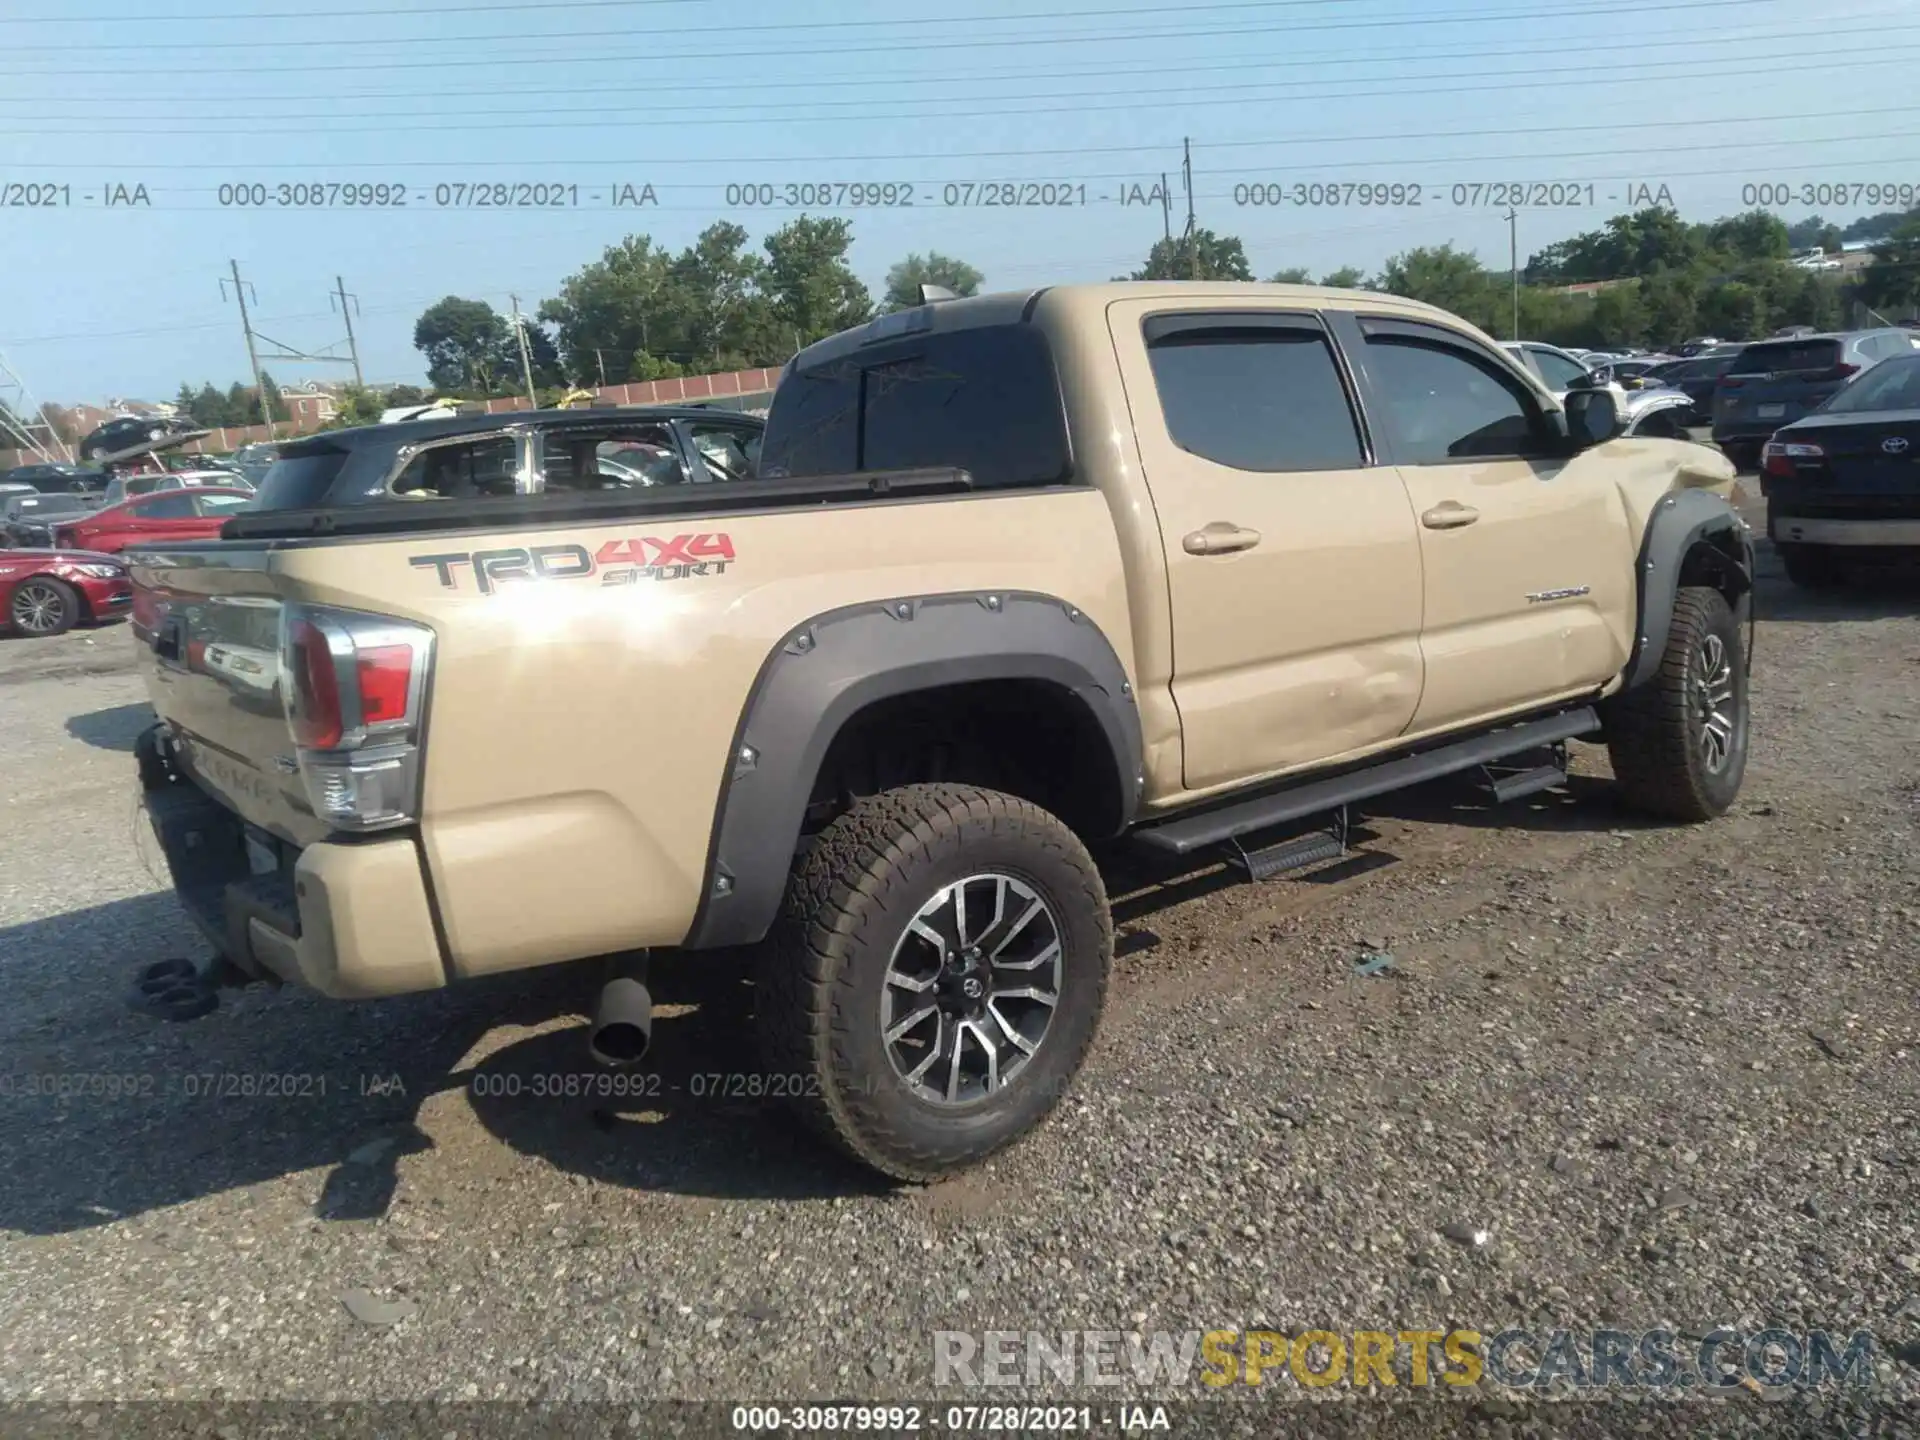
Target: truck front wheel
x=936, y=976
x=1679, y=741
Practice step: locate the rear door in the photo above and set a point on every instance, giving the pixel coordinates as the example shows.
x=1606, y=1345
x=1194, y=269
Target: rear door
x=1520, y=565
x=1293, y=559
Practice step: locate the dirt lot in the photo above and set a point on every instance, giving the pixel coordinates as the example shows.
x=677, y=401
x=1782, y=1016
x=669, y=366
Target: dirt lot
x=1670, y=1072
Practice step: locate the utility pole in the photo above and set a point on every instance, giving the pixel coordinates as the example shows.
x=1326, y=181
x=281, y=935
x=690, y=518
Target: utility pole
x=1166, y=208
x=526, y=356
x=1513, y=263
x=600, y=359
x=253, y=354
x=340, y=289
x=1186, y=174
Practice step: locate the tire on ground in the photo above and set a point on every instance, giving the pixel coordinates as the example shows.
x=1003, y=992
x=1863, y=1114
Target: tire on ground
x=821, y=972
x=70, y=607
x=1654, y=732
x=1811, y=567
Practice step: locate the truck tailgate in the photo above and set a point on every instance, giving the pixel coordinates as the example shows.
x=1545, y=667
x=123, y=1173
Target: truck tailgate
x=209, y=617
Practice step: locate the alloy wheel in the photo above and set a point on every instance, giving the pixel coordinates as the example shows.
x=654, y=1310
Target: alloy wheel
x=1713, y=702
x=39, y=608
x=971, y=989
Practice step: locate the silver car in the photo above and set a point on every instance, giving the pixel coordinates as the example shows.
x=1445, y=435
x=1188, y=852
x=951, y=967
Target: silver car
x=1656, y=410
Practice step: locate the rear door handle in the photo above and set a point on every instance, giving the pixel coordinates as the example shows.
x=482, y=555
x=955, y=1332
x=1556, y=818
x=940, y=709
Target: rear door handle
x=1222, y=537
x=1449, y=515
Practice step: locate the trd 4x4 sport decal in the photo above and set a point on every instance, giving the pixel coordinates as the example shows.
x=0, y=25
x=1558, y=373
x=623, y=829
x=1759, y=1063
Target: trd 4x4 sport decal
x=618, y=562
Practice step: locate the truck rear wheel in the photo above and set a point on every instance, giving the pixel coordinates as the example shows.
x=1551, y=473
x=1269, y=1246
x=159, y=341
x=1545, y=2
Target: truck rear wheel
x=1679, y=742
x=936, y=976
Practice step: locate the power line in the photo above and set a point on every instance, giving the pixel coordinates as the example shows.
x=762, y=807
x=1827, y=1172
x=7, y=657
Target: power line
x=916, y=156
x=595, y=113
x=651, y=31
x=1072, y=37
x=1804, y=60
x=1291, y=61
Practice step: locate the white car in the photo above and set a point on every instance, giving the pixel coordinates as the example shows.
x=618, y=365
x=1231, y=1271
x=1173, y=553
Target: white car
x=1658, y=410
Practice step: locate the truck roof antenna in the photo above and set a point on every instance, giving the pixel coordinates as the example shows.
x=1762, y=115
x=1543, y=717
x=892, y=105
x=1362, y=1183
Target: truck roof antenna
x=934, y=294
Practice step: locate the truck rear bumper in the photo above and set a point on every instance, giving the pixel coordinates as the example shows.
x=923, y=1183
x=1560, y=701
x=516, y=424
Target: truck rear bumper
x=348, y=920
x=1796, y=529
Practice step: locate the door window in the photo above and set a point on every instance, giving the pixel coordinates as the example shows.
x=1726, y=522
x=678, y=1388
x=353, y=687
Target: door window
x=1447, y=404
x=1559, y=371
x=461, y=471
x=175, y=506
x=731, y=452
x=1260, y=398
x=609, y=457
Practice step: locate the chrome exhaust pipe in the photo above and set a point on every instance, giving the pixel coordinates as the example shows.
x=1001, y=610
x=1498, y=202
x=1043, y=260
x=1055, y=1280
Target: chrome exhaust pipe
x=622, y=1026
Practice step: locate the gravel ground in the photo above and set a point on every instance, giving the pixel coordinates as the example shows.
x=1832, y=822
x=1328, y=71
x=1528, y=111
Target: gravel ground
x=1669, y=1072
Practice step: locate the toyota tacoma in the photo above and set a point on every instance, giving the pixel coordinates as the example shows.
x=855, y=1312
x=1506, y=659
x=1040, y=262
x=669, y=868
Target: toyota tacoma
x=1186, y=567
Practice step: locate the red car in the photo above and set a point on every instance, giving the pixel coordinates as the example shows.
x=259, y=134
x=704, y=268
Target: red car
x=48, y=592
x=194, y=514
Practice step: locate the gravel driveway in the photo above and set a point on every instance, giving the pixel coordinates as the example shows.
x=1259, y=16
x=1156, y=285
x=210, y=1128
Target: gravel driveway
x=1671, y=1073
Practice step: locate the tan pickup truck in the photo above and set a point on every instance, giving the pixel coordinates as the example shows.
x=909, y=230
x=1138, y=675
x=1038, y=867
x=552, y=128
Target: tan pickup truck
x=1191, y=567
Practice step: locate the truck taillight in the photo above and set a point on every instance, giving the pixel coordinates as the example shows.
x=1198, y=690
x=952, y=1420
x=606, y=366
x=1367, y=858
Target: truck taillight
x=355, y=700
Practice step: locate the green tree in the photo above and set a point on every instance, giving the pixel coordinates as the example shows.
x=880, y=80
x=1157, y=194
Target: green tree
x=276, y=406
x=613, y=309
x=1755, y=235
x=1669, y=301
x=1203, y=256
x=813, y=291
x=907, y=276
x=1347, y=277
x=718, y=316
x=1452, y=279
x=1734, y=311
x=469, y=346
x=398, y=395
x=1292, y=275
x=1812, y=231
x=357, y=406
x=1894, y=276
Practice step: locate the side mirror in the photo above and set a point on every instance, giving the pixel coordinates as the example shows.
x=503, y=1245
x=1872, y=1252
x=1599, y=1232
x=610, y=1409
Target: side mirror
x=1592, y=417
x=1603, y=375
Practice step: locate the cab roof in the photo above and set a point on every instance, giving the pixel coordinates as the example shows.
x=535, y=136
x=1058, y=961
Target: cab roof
x=1080, y=302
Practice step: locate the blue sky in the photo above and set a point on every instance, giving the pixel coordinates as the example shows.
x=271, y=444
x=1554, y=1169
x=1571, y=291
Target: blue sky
x=691, y=96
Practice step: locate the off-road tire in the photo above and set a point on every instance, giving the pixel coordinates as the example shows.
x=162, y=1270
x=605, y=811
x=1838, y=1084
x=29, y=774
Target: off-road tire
x=1653, y=730
x=1812, y=567
x=820, y=973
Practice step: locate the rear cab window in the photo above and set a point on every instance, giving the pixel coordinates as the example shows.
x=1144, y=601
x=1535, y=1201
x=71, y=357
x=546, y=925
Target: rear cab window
x=985, y=400
x=301, y=480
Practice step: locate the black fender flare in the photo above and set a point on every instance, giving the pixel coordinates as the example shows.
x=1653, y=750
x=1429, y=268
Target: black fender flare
x=826, y=670
x=1680, y=521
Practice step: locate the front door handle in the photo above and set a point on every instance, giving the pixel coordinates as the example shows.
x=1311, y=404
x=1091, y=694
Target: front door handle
x=1222, y=537
x=1449, y=515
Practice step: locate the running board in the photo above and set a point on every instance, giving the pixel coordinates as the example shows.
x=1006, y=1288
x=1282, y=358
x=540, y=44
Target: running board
x=1525, y=782
x=1189, y=833
x=1294, y=854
